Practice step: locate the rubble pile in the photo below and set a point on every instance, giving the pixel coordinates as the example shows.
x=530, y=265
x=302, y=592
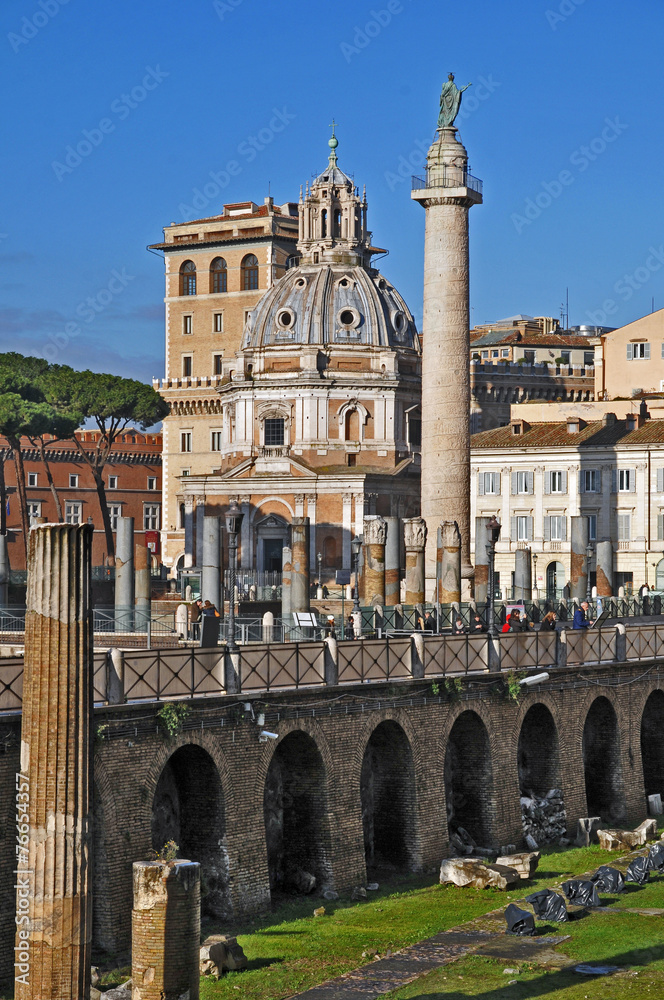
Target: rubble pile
x=544, y=819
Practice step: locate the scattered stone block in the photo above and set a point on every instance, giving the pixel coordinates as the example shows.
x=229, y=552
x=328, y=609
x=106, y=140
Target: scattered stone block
x=319, y=911
x=525, y=864
x=507, y=849
x=330, y=894
x=655, y=805
x=477, y=875
x=372, y=886
x=648, y=828
x=221, y=953
x=587, y=828
x=300, y=881
x=95, y=994
x=359, y=892
x=119, y=993
x=531, y=843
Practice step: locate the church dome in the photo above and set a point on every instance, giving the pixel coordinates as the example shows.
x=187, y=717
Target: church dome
x=326, y=304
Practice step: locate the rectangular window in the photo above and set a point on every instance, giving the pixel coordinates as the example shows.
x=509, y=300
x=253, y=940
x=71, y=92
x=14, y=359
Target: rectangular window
x=216, y=364
x=73, y=481
x=504, y=352
x=624, y=527
x=218, y=326
x=151, y=517
x=185, y=441
x=187, y=361
x=588, y=359
x=188, y=324
x=274, y=431
x=590, y=480
x=639, y=351
x=522, y=482
x=565, y=357
x=34, y=509
x=152, y=482
x=557, y=482
x=558, y=526
x=112, y=482
x=592, y=527
x=529, y=356
x=32, y=478
x=185, y=472
x=489, y=483
x=625, y=483
x=114, y=512
x=485, y=354
x=494, y=354
x=522, y=529
x=72, y=512
x=215, y=440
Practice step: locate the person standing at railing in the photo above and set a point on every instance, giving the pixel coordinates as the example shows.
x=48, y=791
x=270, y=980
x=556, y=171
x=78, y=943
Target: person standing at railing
x=548, y=622
x=477, y=626
x=581, y=616
x=350, y=627
x=195, y=610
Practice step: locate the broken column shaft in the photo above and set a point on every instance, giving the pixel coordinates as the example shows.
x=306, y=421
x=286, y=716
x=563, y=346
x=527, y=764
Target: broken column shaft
x=56, y=768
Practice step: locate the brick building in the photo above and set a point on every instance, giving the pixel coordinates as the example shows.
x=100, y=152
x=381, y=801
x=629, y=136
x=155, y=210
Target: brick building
x=132, y=479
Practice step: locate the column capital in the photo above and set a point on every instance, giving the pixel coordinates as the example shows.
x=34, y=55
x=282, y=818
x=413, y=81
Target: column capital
x=375, y=531
x=414, y=532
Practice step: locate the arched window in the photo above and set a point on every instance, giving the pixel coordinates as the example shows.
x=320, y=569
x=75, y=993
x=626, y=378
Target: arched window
x=555, y=581
x=337, y=222
x=249, y=272
x=218, y=275
x=323, y=223
x=188, y=278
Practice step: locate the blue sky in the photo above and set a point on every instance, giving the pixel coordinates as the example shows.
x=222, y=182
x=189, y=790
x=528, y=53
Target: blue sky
x=563, y=123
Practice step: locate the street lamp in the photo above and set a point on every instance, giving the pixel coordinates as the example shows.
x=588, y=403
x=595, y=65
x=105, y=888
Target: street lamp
x=233, y=520
x=493, y=532
x=356, y=546
x=535, y=575
x=319, y=592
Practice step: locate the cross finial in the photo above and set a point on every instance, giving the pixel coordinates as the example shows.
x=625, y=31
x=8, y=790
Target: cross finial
x=333, y=142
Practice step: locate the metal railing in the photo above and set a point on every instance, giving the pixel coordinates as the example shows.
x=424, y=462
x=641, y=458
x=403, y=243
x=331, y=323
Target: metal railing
x=447, y=177
x=161, y=674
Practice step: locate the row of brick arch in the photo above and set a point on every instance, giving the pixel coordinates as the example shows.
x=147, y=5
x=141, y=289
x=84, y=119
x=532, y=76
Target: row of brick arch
x=193, y=796
x=218, y=276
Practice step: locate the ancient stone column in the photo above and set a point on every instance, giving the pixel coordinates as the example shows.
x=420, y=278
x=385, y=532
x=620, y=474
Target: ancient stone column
x=604, y=570
x=142, y=587
x=523, y=575
x=55, y=784
x=124, y=575
x=300, y=582
x=415, y=536
x=373, y=569
x=211, y=568
x=166, y=931
x=449, y=584
x=579, y=558
x=4, y=572
x=392, y=560
x=481, y=578
x=286, y=567
x=446, y=197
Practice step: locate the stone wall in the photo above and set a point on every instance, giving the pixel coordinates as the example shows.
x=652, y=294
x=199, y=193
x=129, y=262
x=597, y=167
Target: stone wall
x=250, y=811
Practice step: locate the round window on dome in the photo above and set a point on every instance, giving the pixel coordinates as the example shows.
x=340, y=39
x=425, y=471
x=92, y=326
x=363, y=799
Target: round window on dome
x=300, y=283
x=285, y=318
x=347, y=317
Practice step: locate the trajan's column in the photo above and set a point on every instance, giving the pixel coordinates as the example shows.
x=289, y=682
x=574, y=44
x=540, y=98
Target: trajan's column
x=447, y=193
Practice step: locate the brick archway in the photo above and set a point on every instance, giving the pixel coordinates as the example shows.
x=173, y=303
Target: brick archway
x=601, y=762
x=538, y=758
x=652, y=744
x=387, y=796
x=469, y=779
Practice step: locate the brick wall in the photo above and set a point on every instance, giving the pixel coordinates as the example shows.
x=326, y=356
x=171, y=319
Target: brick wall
x=215, y=774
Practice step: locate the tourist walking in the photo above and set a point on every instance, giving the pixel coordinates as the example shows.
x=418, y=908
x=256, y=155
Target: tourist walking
x=581, y=616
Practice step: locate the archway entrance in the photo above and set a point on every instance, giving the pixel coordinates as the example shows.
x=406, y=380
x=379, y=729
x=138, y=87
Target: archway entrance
x=601, y=762
x=271, y=536
x=387, y=796
x=537, y=753
x=659, y=576
x=188, y=807
x=652, y=744
x=469, y=779
x=555, y=581
x=294, y=807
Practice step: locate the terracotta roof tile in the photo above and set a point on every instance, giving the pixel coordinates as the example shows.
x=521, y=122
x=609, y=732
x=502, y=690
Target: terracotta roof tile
x=556, y=435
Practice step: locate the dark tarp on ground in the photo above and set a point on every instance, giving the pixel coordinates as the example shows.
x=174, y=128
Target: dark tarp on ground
x=519, y=921
x=608, y=879
x=638, y=871
x=581, y=892
x=656, y=857
x=548, y=905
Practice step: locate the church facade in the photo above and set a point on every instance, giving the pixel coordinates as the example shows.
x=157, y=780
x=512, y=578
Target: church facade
x=315, y=414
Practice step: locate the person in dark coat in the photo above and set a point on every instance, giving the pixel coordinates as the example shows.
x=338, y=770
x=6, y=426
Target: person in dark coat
x=548, y=622
x=581, y=616
x=350, y=627
x=516, y=623
x=429, y=622
x=458, y=628
x=476, y=625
